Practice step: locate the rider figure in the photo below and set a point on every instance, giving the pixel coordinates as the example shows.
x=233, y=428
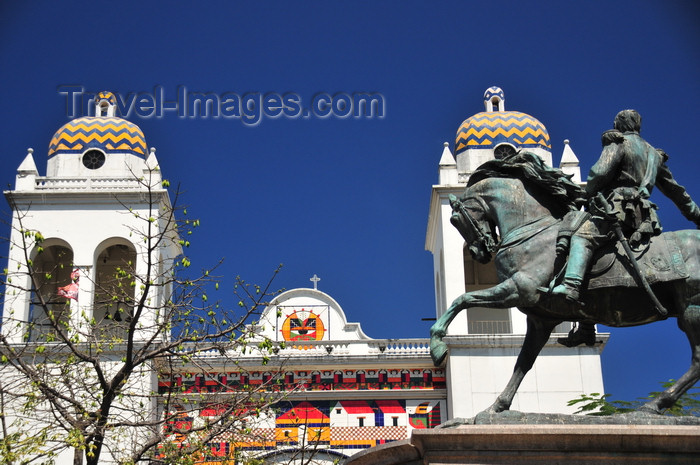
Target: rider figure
x=625, y=174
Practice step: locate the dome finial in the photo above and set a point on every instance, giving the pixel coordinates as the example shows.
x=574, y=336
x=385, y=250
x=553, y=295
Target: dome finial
x=105, y=104
x=494, y=99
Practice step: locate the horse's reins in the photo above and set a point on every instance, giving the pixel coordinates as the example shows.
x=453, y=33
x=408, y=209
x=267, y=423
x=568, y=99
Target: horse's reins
x=527, y=231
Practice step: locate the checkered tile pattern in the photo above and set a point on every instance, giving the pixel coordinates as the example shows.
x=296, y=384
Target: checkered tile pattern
x=351, y=434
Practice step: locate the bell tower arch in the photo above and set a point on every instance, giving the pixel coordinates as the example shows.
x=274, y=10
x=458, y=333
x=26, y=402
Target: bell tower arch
x=80, y=234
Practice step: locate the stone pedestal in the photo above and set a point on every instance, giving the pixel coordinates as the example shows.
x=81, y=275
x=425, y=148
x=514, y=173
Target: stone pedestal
x=541, y=444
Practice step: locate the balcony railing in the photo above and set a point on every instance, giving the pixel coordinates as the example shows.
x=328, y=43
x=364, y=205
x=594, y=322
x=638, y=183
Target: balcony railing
x=87, y=183
x=378, y=346
x=387, y=347
x=505, y=327
x=41, y=328
x=490, y=327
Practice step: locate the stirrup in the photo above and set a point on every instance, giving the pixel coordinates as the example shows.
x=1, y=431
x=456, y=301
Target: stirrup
x=574, y=296
x=568, y=292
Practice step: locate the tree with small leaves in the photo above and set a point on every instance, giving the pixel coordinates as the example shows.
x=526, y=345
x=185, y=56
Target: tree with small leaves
x=80, y=380
x=598, y=404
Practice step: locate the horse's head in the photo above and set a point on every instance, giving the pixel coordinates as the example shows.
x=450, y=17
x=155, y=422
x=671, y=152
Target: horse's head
x=469, y=217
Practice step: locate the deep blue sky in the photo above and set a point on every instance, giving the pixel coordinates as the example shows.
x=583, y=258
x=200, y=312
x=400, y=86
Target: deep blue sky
x=348, y=198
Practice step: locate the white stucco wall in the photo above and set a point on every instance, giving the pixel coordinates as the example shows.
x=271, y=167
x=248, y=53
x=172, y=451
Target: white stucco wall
x=479, y=367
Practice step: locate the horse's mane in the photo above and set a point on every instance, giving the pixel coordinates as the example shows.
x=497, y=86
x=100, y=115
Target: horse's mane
x=530, y=169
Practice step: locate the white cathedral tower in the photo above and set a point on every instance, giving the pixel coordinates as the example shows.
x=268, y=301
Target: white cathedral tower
x=484, y=136
x=484, y=342
x=85, y=236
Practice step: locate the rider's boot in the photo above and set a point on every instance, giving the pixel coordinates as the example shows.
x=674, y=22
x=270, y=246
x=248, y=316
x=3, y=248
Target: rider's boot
x=583, y=334
x=580, y=255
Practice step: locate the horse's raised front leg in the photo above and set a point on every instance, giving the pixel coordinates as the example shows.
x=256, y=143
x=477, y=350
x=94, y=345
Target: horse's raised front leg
x=689, y=323
x=538, y=332
x=504, y=295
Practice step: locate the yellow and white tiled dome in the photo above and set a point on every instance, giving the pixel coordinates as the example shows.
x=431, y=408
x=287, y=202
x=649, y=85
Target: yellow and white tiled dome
x=104, y=131
x=496, y=126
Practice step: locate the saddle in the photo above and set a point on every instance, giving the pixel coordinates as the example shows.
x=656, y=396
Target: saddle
x=660, y=261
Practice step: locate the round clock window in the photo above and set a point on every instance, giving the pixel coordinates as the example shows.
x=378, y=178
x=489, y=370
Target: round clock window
x=503, y=150
x=93, y=159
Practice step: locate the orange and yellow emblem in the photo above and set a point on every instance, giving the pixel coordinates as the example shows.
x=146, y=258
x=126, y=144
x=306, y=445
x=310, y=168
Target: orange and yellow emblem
x=303, y=325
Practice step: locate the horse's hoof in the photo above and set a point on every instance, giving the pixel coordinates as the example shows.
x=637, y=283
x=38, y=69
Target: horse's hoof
x=495, y=408
x=647, y=409
x=438, y=351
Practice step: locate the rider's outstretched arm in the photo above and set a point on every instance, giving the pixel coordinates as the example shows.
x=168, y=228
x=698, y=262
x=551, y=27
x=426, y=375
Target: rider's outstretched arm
x=677, y=193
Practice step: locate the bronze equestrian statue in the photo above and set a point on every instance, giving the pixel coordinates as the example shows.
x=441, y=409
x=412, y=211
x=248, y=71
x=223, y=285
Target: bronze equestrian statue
x=625, y=174
x=514, y=209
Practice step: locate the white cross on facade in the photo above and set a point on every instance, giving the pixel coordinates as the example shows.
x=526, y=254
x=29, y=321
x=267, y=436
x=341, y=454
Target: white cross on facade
x=315, y=279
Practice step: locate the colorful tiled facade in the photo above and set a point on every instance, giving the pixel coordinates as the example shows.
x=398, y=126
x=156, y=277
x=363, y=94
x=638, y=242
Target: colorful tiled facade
x=337, y=390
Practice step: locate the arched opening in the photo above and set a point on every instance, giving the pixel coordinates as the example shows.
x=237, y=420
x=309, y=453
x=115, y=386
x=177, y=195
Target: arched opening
x=302, y=456
x=481, y=320
x=103, y=108
x=49, y=312
x=440, y=295
x=115, y=287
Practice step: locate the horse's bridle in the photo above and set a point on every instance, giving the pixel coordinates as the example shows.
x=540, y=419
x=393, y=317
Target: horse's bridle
x=461, y=218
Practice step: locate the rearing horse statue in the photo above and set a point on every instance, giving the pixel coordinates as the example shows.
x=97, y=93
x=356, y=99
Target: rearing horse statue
x=514, y=210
